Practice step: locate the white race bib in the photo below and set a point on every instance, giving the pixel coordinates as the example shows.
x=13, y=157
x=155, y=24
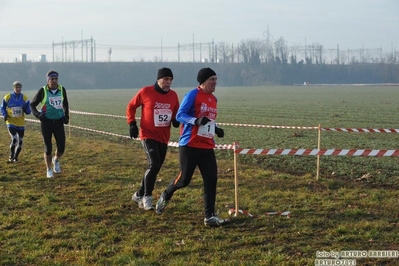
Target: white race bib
x=208, y=130
x=162, y=117
x=16, y=111
x=55, y=101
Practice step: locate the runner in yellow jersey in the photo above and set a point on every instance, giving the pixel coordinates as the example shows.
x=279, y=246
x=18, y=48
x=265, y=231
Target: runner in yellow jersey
x=14, y=107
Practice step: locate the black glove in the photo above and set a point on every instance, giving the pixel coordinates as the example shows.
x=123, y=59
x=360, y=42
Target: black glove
x=66, y=120
x=5, y=118
x=219, y=132
x=202, y=121
x=134, y=130
x=42, y=117
x=175, y=123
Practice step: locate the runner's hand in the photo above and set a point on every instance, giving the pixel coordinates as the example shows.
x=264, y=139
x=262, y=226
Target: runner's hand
x=134, y=130
x=219, y=132
x=175, y=123
x=42, y=117
x=202, y=121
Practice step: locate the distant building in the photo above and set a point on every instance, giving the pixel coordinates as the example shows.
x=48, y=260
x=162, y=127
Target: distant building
x=23, y=58
x=42, y=58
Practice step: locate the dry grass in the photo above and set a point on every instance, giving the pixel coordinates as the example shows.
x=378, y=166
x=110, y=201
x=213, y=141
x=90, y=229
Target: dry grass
x=85, y=216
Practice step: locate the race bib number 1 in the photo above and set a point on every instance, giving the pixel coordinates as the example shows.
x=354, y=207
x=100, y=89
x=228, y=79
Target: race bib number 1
x=208, y=130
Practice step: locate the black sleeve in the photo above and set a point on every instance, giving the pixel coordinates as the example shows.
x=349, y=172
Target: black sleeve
x=65, y=103
x=36, y=101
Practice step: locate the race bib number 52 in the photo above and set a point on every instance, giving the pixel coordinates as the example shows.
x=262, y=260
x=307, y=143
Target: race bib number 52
x=162, y=117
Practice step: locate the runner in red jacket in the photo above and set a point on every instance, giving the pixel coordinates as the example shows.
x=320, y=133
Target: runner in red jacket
x=159, y=105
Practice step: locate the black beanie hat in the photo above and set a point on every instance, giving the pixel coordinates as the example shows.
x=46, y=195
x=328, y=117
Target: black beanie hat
x=205, y=74
x=164, y=72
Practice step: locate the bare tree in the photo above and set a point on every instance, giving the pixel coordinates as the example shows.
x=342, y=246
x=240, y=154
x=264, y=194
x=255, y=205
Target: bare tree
x=281, y=51
x=250, y=51
x=343, y=57
x=294, y=51
x=225, y=53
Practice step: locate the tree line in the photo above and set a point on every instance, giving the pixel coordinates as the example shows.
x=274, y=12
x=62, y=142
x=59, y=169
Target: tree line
x=258, y=51
x=108, y=75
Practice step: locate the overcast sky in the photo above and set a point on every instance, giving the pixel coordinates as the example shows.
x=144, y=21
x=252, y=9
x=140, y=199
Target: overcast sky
x=348, y=23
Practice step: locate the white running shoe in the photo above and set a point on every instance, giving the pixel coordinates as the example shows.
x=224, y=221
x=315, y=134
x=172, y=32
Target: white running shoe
x=56, y=167
x=139, y=200
x=147, y=203
x=50, y=173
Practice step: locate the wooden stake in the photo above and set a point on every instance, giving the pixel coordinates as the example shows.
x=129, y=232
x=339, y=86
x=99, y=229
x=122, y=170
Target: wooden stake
x=318, y=156
x=235, y=181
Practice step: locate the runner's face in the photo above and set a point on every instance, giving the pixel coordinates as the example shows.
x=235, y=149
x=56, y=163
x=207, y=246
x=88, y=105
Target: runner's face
x=17, y=89
x=165, y=83
x=209, y=85
x=53, y=82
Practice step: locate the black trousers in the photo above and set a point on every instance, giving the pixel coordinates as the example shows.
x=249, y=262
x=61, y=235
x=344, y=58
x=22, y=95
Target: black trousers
x=205, y=159
x=156, y=153
x=56, y=128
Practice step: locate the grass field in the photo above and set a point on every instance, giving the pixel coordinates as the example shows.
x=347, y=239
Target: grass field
x=85, y=215
x=332, y=107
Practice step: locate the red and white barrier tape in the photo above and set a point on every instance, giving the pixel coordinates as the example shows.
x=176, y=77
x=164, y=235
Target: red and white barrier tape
x=243, y=212
x=357, y=130
x=32, y=120
x=86, y=129
x=265, y=126
x=217, y=146
x=98, y=131
x=286, y=213
x=233, y=211
x=96, y=114
x=171, y=144
x=364, y=130
x=324, y=152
